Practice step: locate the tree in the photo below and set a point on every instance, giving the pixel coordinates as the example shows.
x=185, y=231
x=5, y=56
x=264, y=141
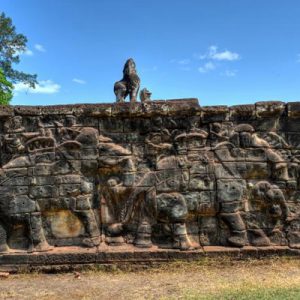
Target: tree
x=6, y=88
x=11, y=45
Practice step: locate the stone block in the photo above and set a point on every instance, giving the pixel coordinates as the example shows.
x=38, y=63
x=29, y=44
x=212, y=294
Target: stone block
x=141, y=125
x=20, y=190
x=108, y=125
x=89, y=153
x=16, y=181
x=43, y=170
x=28, y=110
x=42, y=191
x=64, y=224
x=68, y=179
x=230, y=190
x=171, y=180
x=57, y=110
x=11, y=170
x=154, y=108
x=201, y=203
x=200, y=182
x=182, y=106
x=211, y=114
x=6, y=111
x=56, y=204
x=293, y=109
x=293, y=139
x=83, y=202
x=94, y=110
x=120, y=109
x=242, y=113
x=21, y=204
x=70, y=189
x=208, y=231
x=269, y=109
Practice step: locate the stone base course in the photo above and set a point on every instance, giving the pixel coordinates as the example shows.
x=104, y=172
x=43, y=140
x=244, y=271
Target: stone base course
x=127, y=257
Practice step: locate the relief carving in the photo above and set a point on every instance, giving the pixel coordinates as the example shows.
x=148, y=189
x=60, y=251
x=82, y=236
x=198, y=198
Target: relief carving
x=176, y=183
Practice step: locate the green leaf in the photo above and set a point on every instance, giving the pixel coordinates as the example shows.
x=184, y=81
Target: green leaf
x=11, y=45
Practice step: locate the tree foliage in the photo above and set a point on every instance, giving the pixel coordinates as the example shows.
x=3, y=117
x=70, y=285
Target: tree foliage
x=11, y=45
x=6, y=88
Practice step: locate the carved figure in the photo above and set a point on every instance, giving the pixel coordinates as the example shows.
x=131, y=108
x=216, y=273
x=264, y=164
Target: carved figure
x=163, y=180
x=244, y=137
x=13, y=139
x=129, y=84
x=14, y=125
x=69, y=187
x=162, y=200
x=231, y=192
x=230, y=198
x=116, y=178
x=145, y=95
x=218, y=134
x=162, y=205
x=270, y=200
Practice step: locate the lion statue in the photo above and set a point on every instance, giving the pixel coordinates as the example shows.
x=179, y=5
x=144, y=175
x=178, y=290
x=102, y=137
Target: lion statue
x=129, y=84
x=145, y=95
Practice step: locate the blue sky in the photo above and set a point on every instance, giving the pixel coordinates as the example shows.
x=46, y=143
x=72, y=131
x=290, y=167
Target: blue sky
x=221, y=51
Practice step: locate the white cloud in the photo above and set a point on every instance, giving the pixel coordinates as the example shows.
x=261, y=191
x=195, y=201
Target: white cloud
x=214, y=54
x=185, y=61
x=209, y=66
x=43, y=87
x=26, y=52
x=199, y=56
x=230, y=73
x=226, y=55
x=40, y=47
x=80, y=81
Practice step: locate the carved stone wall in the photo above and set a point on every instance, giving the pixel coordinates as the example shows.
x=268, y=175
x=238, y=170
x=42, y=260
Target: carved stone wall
x=165, y=173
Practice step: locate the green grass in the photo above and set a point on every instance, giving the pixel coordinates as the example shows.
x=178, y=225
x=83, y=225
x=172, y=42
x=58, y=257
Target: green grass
x=247, y=294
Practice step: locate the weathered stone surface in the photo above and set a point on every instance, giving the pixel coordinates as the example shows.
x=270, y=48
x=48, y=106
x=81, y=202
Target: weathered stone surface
x=214, y=114
x=242, y=113
x=165, y=173
x=293, y=109
x=269, y=109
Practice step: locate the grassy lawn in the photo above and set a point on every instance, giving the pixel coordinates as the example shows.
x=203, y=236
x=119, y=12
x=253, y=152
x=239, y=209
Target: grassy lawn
x=246, y=293
x=273, y=278
x=219, y=278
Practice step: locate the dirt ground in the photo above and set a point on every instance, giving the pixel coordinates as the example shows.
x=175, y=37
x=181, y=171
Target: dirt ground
x=276, y=278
